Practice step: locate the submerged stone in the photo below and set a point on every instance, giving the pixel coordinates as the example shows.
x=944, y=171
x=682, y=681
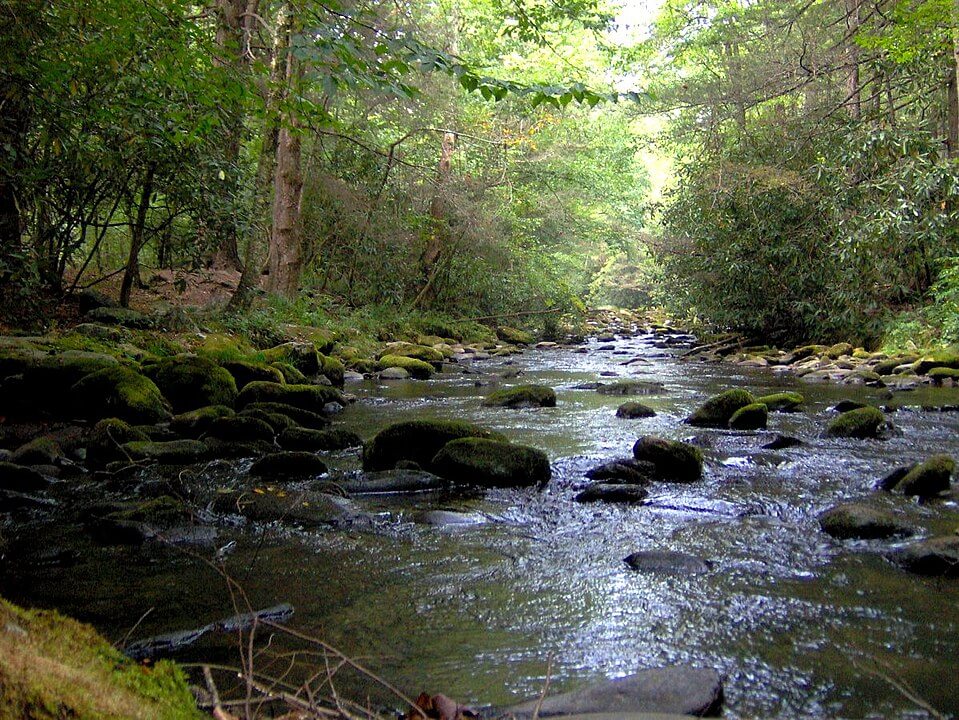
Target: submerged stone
x=718, y=410
x=782, y=402
x=631, y=387
x=522, y=396
x=928, y=479
x=855, y=521
x=623, y=493
x=491, y=463
x=634, y=410
x=417, y=440
x=938, y=556
x=667, y=561
x=673, y=461
x=749, y=417
x=863, y=423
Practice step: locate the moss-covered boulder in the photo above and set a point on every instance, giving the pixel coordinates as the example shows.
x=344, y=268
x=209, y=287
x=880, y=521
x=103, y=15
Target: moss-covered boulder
x=288, y=465
x=274, y=504
x=191, y=381
x=298, y=416
x=44, y=380
x=750, y=417
x=619, y=493
x=491, y=463
x=944, y=358
x=928, y=479
x=170, y=452
x=298, y=438
x=634, y=410
x=307, y=397
x=195, y=423
x=718, y=410
x=133, y=523
x=937, y=556
x=288, y=373
x=277, y=421
x=887, y=366
x=672, y=460
x=301, y=355
x=418, y=441
x=332, y=369
x=420, y=352
x=418, y=369
x=836, y=351
x=119, y=392
x=856, y=521
x=54, y=667
x=240, y=428
x=15, y=478
x=941, y=375
x=106, y=439
x=522, y=396
x=631, y=387
x=514, y=336
x=782, y=402
x=245, y=372
x=124, y=317
x=43, y=450
x=862, y=423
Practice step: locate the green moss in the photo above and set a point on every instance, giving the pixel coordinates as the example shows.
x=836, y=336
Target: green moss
x=943, y=358
x=838, y=350
x=240, y=428
x=307, y=397
x=190, y=382
x=782, y=402
x=172, y=452
x=522, y=396
x=672, y=460
x=103, y=444
x=39, y=451
x=940, y=373
x=332, y=369
x=275, y=420
x=52, y=667
x=411, y=350
x=514, y=336
x=296, y=415
x=288, y=373
x=861, y=522
x=417, y=441
x=885, y=367
x=119, y=392
x=491, y=463
x=928, y=479
x=297, y=438
x=196, y=422
x=245, y=372
x=634, y=410
x=801, y=353
x=719, y=409
x=750, y=417
x=416, y=368
x=861, y=423
x=301, y=355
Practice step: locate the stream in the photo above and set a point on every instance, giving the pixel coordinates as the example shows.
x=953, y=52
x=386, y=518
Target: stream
x=530, y=584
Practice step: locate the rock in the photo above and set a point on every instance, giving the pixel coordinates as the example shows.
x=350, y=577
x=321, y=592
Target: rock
x=301, y=355
x=277, y=421
x=397, y=480
x=171, y=452
x=624, y=470
x=623, y=493
x=190, y=382
x=846, y=405
x=305, y=397
x=514, y=336
x=634, y=410
x=124, y=317
x=307, y=509
x=288, y=374
x=415, y=368
x=491, y=463
x=246, y=372
x=394, y=373
x=522, y=396
x=15, y=478
x=890, y=481
x=666, y=561
x=333, y=370
x=99, y=332
x=863, y=423
x=719, y=409
x=240, y=428
x=781, y=442
x=417, y=440
x=238, y=448
x=937, y=556
x=928, y=479
x=782, y=402
x=137, y=522
x=838, y=350
x=450, y=519
x=855, y=521
x=677, y=690
x=887, y=367
x=197, y=422
x=750, y=417
x=673, y=461
x=944, y=359
x=297, y=438
x=107, y=437
x=941, y=376
x=119, y=392
x=631, y=387
x=90, y=299
x=298, y=416
x=410, y=350
x=285, y=465
x=350, y=376
x=39, y=451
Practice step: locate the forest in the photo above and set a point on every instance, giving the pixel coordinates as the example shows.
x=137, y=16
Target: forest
x=461, y=359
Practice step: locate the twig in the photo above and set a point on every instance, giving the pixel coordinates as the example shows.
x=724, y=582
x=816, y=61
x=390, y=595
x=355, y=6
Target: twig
x=143, y=617
x=542, y=695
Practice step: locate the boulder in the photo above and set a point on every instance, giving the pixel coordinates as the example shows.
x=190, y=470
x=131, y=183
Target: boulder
x=410, y=350
x=888, y=366
x=170, y=452
x=514, y=336
x=945, y=359
x=246, y=372
x=937, y=556
x=298, y=416
x=667, y=561
x=838, y=350
x=306, y=397
x=866, y=422
x=301, y=355
x=889, y=482
x=623, y=470
x=137, y=522
x=398, y=480
x=394, y=373
x=855, y=521
x=782, y=442
x=306, y=509
x=417, y=440
x=124, y=317
x=678, y=690
x=522, y=396
x=750, y=417
x=195, y=423
x=673, y=461
x=631, y=387
x=39, y=451
x=297, y=438
x=106, y=439
x=491, y=463
x=119, y=392
x=15, y=478
x=944, y=376
x=782, y=402
x=622, y=493
x=928, y=479
x=277, y=421
x=416, y=368
x=288, y=464
x=719, y=409
x=288, y=374
x=634, y=410
x=190, y=382
x=240, y=428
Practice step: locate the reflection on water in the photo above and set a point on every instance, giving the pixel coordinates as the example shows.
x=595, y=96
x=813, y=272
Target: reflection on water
x=796, y=621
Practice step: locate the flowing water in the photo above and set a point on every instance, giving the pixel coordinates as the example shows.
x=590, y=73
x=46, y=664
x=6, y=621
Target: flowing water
x=534, y=584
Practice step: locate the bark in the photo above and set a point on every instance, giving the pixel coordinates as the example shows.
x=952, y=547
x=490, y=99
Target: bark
x=137, y=237
x=853, y=89
x=439, y=213
x=953, y=87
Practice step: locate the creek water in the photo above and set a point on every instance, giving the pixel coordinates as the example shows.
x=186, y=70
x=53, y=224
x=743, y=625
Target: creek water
x=534, y=584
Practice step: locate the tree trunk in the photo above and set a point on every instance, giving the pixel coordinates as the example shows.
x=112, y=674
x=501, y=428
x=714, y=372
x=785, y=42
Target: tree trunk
x=132, y=271
x=853, y=90
x=953, y=87
x=439, y=213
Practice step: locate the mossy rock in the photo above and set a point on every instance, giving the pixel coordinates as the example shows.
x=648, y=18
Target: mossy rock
x=277, y=421
x=862, y=423
x=514, y=336
x=287, y=465
x=245, y=372
x=240, y=428
x=332, y=369
x=195, y=423
x=170, y=452
x=834, y=352
x=418, y=441
x=119, y=392
x=631, y=387
x=522, y=396
x=782, y=402
x=323, y=339
x=618, y=493
x=718, y=410
x=124, y=317
x=45, y=379
x=807, y=351
x=106, y=438
x=54, y=667
x=928, y=479
x=39, y=451
x=288, y=373
x=307, y=397
x=301, y=355
x=491, y=463
x=886, y=367
x=944, y=358
x=271, y=504
x=419, y=352
x=855, y=521
x=297, y=438
x=672, y=460
x=937, y=556
x=190, y=382
x=634, y=411
x=941, y=374
x=750, y=417
x=418, y=369
x=298, y=416
x=16, y=478
x=223, y=347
